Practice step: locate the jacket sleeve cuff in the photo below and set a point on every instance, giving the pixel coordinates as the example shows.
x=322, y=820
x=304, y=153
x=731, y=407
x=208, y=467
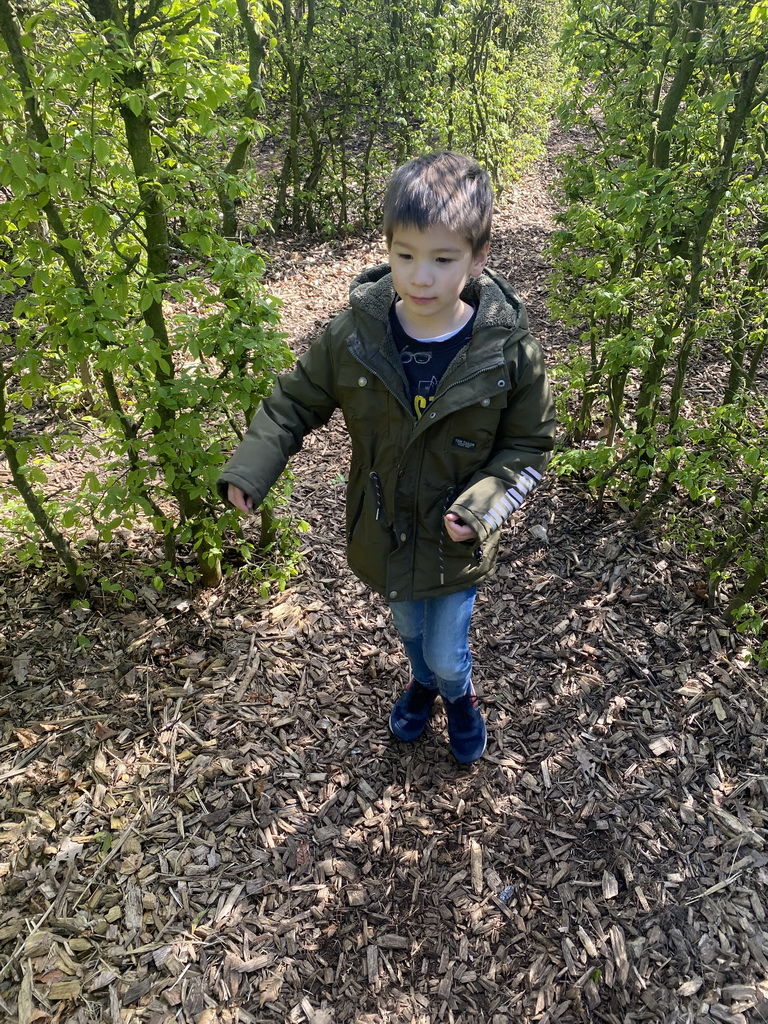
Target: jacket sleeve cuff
x=227, y=478
x=486, y=505
x=470, y=519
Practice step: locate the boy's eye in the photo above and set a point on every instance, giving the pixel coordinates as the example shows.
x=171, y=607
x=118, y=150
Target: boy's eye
x=444, y=259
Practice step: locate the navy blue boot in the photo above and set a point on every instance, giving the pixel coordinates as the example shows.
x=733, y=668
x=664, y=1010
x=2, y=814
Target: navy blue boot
x=408, y=718
x=467, y=735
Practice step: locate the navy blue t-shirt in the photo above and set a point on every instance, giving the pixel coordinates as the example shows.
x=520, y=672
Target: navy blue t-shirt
x=425, y=362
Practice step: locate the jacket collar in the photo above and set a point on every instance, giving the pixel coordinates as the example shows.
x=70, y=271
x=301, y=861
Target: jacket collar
x=498, y=311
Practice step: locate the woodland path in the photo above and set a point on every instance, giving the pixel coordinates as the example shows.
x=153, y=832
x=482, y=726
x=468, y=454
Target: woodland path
x=204, y=819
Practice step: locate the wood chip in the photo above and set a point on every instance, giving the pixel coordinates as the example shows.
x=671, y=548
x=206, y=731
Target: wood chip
x=372, y=961
x=610, y=885
x=392, y=941
x=476, y=867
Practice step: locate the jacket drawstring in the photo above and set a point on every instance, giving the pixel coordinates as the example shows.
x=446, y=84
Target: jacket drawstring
x=449, y=496
x=377, y=488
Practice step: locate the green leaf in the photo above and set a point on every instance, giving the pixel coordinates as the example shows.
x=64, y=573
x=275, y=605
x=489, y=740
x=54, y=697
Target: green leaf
x=18, y=161
x=102, y=150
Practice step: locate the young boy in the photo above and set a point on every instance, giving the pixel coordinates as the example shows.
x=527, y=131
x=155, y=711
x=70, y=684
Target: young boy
x=446, y=400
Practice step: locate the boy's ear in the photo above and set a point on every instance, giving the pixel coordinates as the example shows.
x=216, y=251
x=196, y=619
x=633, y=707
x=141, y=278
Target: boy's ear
x=480, y=259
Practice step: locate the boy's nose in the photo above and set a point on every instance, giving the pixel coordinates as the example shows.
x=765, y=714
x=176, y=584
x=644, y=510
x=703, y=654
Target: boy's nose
x=422, y=274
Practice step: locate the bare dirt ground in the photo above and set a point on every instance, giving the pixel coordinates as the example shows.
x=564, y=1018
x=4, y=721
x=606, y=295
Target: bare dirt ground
x=203, y=818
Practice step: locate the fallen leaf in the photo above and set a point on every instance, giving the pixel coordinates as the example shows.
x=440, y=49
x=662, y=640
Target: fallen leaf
x=269, y=990
x=302, y=854
x=26, y=738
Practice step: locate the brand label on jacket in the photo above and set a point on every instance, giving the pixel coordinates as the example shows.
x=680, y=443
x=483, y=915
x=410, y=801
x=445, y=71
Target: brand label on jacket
x=465, y=443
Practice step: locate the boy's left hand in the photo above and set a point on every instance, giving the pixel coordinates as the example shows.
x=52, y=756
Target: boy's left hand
x=457, y=530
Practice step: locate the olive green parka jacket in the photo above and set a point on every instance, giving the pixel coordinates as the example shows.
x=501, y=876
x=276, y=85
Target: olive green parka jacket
x=479, y=448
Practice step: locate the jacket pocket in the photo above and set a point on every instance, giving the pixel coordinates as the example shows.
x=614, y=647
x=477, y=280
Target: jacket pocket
x=354, y=518
x=364, y=401
x=355, y=495
x=369, y=533
x=471, y=432
x=372, y=494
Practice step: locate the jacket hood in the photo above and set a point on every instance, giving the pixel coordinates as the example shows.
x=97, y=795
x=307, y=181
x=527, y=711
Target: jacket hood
x=497, y=303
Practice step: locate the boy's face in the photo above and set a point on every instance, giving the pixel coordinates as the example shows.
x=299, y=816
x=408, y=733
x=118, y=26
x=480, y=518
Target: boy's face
x=429, y=271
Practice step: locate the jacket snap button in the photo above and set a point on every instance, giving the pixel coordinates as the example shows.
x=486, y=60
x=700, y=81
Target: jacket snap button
x=501, y=383
x=486, y=401
x=362, y=381
x=392, y=595
x=403, y=537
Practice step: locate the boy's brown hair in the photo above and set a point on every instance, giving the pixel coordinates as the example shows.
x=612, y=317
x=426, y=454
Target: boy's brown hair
x=441, y=188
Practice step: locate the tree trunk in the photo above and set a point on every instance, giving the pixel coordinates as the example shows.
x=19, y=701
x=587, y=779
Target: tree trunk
x=44, y=523
x=752, y=586
x=42, y=520
x=678, y=86
x=139, y=144
x=254, y=104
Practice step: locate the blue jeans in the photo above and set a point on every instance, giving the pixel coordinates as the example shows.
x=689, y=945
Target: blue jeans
x=435, y=634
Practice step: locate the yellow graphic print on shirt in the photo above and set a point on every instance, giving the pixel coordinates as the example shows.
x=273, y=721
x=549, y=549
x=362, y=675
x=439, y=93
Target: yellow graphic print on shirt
x=421, y=401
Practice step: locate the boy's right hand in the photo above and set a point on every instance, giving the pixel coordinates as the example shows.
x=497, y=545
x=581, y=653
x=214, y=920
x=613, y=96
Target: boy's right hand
x=239, y=499
x=458, y=530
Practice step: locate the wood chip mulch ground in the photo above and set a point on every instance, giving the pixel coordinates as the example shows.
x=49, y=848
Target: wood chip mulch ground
x=203, y=818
